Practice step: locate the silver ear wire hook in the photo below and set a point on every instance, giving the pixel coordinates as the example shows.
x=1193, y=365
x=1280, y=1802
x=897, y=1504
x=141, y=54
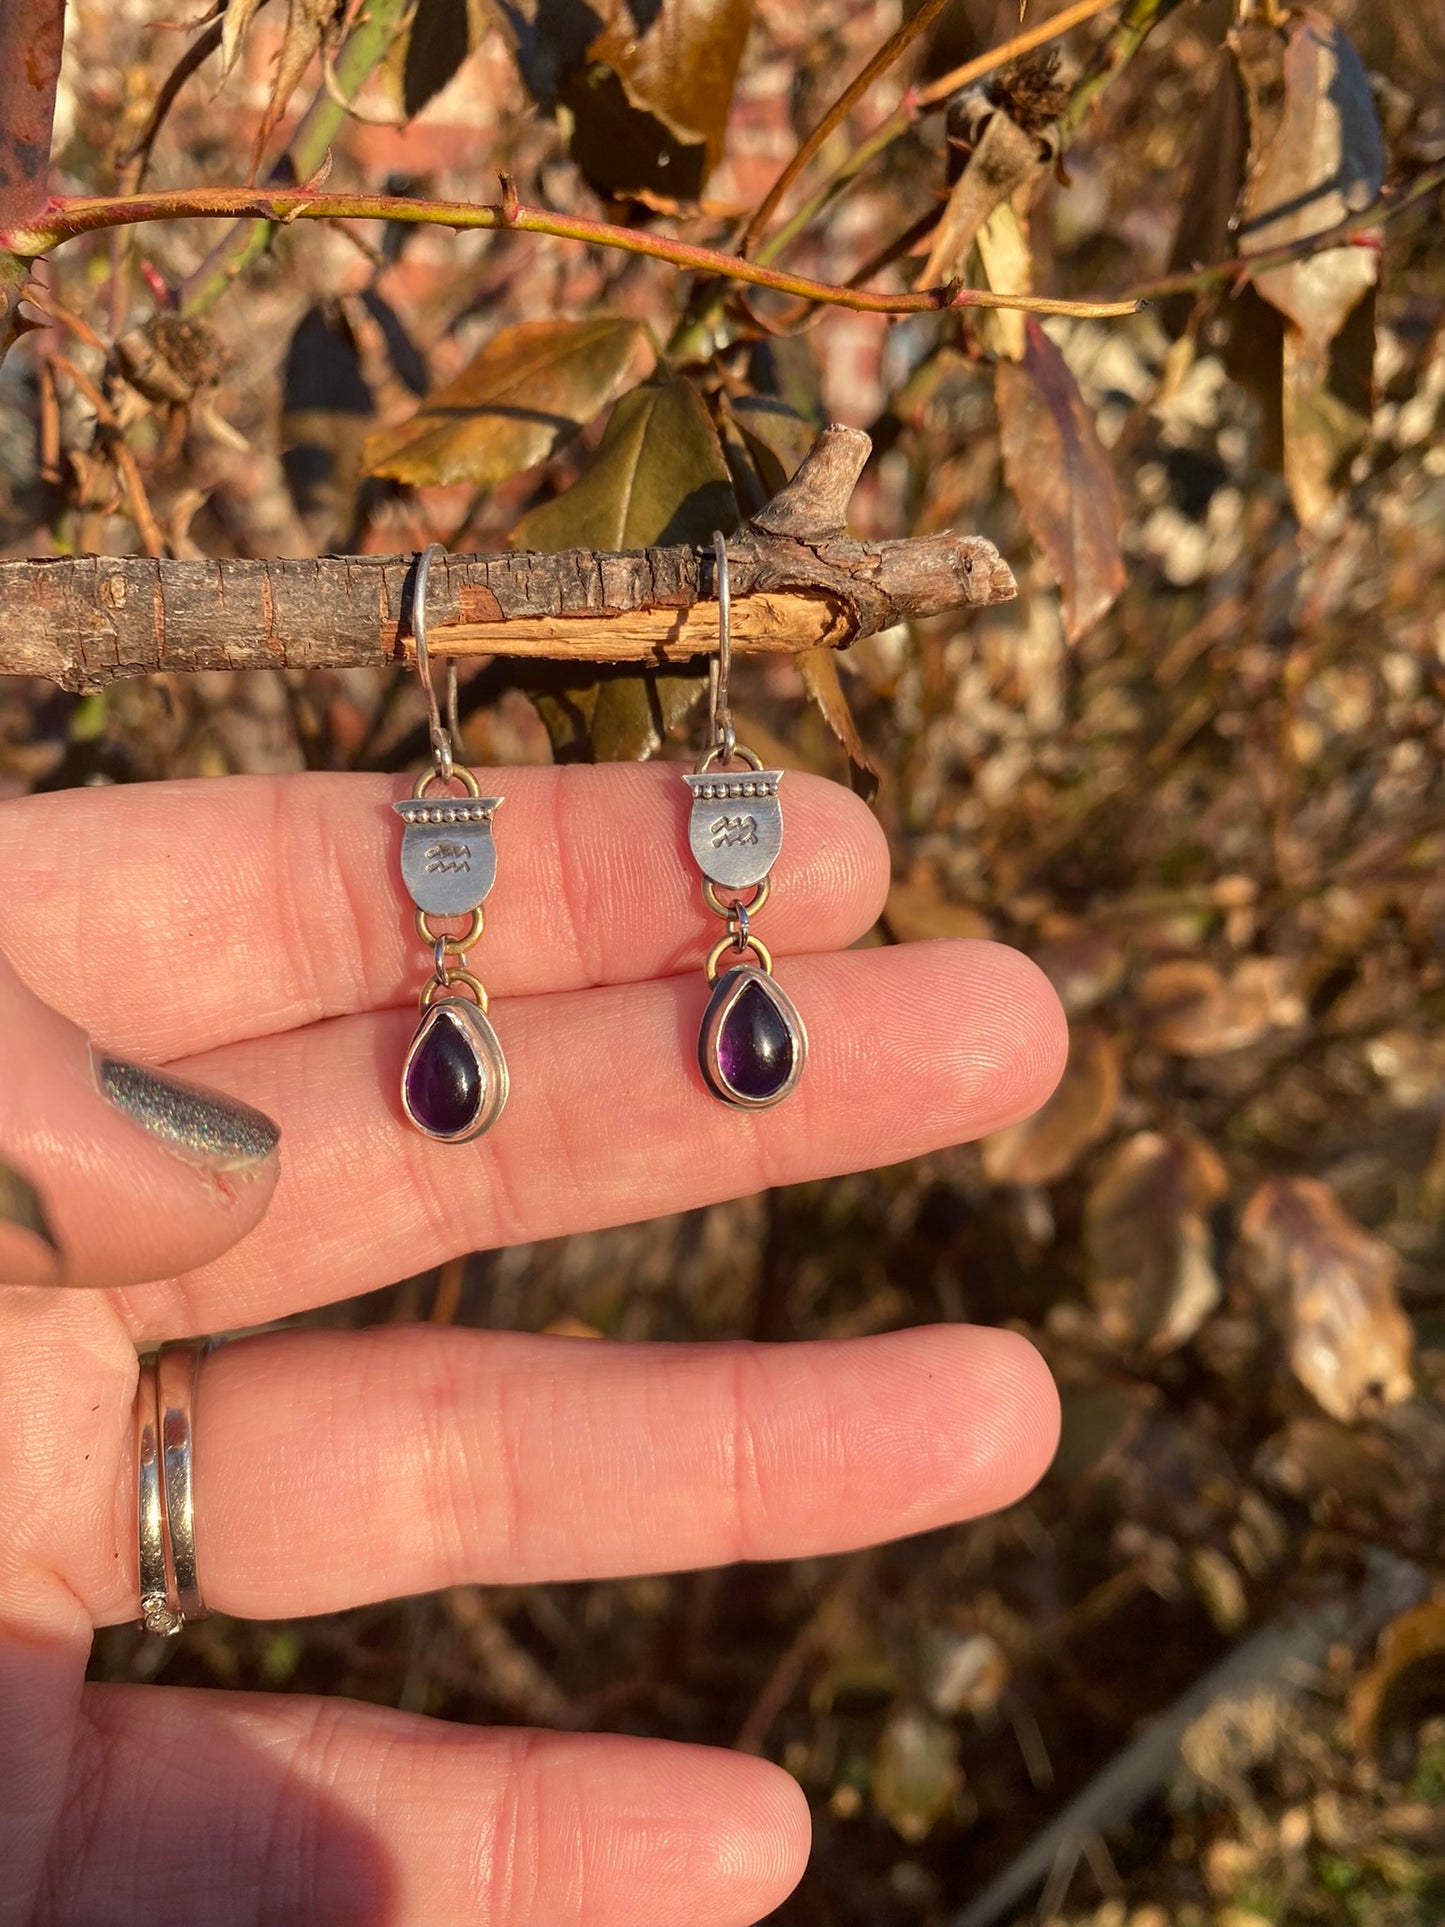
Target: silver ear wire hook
x=725, y=738
x=445, y=742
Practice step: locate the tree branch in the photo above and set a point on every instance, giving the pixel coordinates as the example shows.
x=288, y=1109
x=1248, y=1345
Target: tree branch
x=64, y=220
x=30, y=40
x=797, y=581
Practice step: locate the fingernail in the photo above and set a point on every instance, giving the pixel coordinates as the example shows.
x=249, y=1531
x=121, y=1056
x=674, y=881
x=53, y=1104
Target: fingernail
x=219, y=1132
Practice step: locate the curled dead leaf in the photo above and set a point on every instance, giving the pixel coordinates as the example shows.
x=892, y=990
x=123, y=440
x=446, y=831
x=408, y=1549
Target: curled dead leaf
x=1325, y=162
x=1047, y=1146
x=1187, y=1006
x=917, y=910
x=1085, y=967
x=1330, y=1286
x=824, y=683
x=1003, y=159
x=1147, y=1239
x=1057, y=470
x=1405, y=1685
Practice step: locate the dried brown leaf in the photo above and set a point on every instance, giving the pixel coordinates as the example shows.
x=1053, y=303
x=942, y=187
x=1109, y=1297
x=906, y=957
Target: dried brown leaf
x=1210, y=202
x=1147, y=1239
x=1085, y=968
x=310, y=25
x=648, y=88
x=1007, y=262
x=682, y=65
x=916, y=912
x=1047, y=1146
x=239, y=15
x=441, y=36
x=1061, y=477
x=1004, y=159
x=1327, y=398
x=1186, y=1006
x=1405, y=1683
x=532, y=388
x=824, y=683
x=1331, y=1288
x=1325, y=162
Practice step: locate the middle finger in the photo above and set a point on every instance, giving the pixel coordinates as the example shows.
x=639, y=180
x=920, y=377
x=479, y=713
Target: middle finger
x=608, y=1121
x=171, y=918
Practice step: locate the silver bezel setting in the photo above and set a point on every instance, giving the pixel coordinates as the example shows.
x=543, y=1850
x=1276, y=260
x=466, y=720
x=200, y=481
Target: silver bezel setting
x=725, y=993
x=478, y=1033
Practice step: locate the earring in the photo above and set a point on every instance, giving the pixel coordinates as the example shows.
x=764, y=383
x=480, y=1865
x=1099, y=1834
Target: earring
x=752, y=1045
x=454, y=1079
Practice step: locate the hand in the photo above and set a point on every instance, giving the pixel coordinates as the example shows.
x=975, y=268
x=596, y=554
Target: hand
x=252, y=935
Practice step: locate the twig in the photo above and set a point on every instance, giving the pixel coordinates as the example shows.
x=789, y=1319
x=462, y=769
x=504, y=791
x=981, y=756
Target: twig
x=927, y=99
x=137, y=501
x=892, y=50
x=134, y=163
x=1270, y=1659
x=65, y=220
x=797, y=581
x=365, y=48
x=1134, y=27
x=1241, y=267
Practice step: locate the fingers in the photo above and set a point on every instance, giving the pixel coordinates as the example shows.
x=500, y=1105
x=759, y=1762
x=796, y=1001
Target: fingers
x=136, y=1175
x=404, y=1460
x=272, y=901
x=222, y=1808
x=608, y=1120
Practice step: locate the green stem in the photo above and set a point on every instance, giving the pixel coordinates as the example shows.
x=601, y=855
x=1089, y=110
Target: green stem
x=365, y=49
x=1137, y=22
x=65, y=220
x=928, y=99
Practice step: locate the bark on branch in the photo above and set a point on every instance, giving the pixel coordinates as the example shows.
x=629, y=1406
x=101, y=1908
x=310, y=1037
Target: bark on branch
x=797, y=581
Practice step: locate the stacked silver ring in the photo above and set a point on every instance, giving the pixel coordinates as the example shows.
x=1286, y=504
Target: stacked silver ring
x=170, y=1587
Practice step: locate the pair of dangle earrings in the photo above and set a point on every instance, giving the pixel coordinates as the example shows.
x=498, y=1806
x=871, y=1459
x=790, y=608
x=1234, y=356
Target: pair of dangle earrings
x=752, y=1044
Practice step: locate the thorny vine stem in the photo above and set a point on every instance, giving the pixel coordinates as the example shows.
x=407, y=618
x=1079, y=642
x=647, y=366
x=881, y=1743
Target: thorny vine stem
x=67, y=219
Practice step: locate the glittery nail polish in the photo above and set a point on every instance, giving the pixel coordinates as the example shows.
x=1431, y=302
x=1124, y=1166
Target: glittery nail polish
x=217, y=1131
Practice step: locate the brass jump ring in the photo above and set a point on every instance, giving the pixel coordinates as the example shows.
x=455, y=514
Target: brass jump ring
x=754, y=903
x=453, y=945
x=754, y=943
x=435, y=986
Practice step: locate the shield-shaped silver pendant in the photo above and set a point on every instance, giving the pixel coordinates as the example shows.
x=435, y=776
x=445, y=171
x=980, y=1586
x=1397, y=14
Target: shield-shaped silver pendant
x=448, y=858
x=735, y=828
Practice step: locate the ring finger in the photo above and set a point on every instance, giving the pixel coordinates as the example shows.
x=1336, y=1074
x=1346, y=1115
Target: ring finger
x=336, y=1468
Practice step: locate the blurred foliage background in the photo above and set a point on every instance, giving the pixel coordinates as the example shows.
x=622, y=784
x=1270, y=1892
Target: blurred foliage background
x=1195, y=771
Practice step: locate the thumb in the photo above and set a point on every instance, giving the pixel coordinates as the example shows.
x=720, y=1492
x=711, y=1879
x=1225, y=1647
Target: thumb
x=117, y=1173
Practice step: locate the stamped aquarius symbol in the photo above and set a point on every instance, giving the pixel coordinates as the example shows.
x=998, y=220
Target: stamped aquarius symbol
x=733, y=831
x=448, y=875
x=735, y=848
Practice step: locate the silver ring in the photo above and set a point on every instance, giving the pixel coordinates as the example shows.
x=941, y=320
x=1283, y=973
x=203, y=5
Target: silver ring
x=170, y=1586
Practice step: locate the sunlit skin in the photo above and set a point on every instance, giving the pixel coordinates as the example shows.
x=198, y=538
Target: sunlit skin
x=252, y=934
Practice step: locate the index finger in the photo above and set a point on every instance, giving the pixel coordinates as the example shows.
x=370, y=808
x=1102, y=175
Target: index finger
x=171, y=918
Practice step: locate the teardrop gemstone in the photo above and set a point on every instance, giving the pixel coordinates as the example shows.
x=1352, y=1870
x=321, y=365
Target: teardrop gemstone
x=454, y=1081
x=752, y=1043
